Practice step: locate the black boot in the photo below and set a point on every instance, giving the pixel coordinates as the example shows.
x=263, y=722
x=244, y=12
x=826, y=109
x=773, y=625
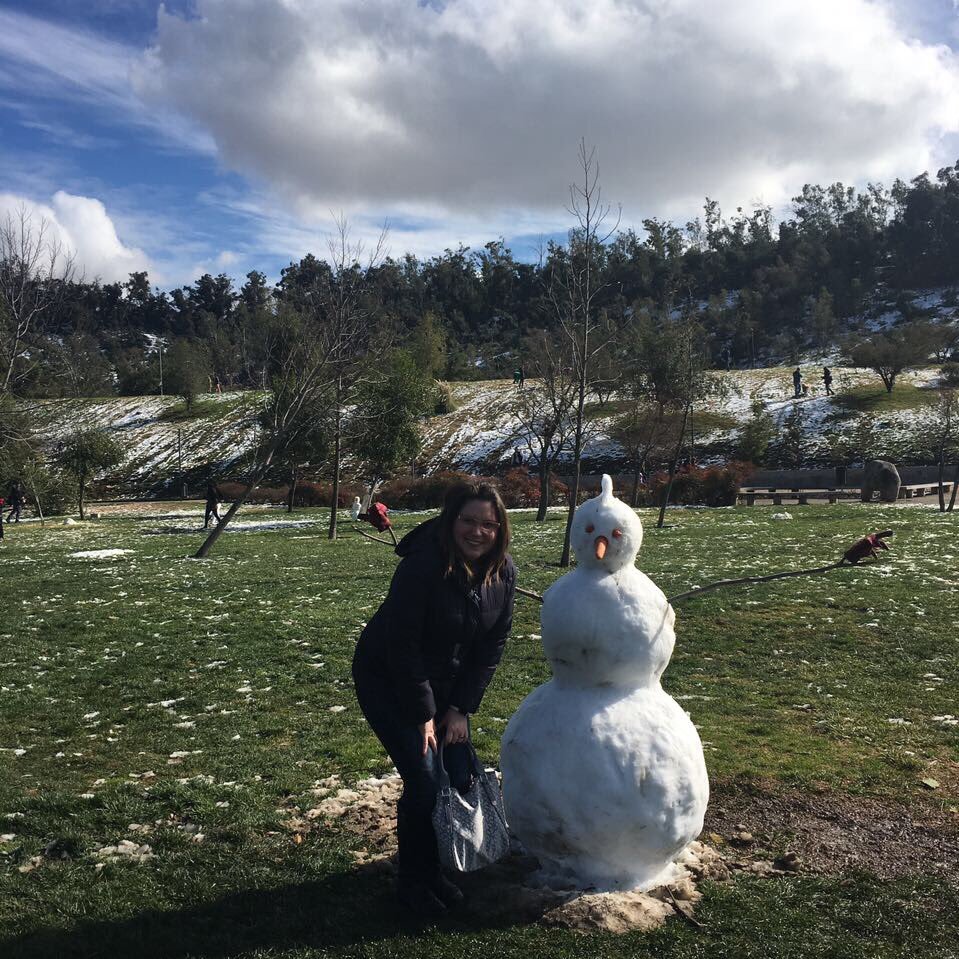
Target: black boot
x=420, y=899
x=447, y=892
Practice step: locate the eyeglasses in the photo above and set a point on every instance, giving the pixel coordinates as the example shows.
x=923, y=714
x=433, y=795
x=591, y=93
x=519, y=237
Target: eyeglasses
x=486, y=526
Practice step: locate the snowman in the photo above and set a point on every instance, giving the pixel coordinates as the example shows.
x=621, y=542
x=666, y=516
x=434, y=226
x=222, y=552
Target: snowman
x=603, y=773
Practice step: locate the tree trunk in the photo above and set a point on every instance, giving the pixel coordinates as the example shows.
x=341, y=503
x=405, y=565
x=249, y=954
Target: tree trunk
x=336, y=465
x=942, y=491
x=292, y=493
x=955, y=488
x=82, y=486
x=640, y=469
x=254, y=481
x=577, y=455
x=543, y=489
x=672, y=471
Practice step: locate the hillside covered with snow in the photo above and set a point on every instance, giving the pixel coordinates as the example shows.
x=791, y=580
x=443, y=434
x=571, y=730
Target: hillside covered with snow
x=483, y=430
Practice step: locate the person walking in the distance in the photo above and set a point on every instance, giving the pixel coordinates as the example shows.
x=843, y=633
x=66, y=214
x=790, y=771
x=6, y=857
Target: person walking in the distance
x=16, y=503
x=797, y=382
x=423, y=663
x=212, y=503
x=827, y=380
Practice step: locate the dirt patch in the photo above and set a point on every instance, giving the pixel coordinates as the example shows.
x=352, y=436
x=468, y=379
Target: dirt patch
x=755, y=828
x=832, y=833
x=507, y=892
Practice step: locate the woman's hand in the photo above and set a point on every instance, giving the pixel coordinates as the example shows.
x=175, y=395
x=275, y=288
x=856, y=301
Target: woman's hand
x=455, y=725
x=428, y=732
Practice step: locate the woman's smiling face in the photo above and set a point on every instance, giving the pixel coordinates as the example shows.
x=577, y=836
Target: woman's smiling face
x=475, y=529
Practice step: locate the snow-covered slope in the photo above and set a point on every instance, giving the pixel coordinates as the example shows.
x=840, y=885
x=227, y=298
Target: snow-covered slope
x=157, y=438
x=483, y=430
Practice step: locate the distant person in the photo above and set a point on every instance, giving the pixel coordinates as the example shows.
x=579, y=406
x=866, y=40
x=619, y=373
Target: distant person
x=212, y=502
x=827, y=380
x=16, y=503
x=797, y=381
x=522, y=376
x=517, y=458
x=356, y=508
x=517, y=377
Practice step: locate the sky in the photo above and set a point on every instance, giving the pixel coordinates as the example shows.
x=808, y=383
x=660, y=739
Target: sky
x=198, y=136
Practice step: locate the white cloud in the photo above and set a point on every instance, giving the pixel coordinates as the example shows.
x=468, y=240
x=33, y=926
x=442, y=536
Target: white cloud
x=82, y=227
x=40, y=60
x=474, y=110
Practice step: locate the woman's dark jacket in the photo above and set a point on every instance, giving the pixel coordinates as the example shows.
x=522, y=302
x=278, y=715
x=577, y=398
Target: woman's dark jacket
x=434, y=640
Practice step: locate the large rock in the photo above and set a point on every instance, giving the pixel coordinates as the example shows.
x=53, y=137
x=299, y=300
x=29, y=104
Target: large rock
x=881, y=477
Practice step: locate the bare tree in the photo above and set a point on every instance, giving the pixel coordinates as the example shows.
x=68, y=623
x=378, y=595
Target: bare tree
x=34, y=272
x=642, y=432
x=344, y=307
x=574, y=284
x=543, y=409
x=943, y=437
x=300, y=363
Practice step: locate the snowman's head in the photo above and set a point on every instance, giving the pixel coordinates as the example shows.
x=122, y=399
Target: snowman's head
x=606, y=533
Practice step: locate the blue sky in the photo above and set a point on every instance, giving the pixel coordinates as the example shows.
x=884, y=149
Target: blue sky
x=221, y=135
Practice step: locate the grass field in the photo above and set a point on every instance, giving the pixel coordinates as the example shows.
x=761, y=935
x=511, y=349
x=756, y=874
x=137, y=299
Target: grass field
x=201, y=701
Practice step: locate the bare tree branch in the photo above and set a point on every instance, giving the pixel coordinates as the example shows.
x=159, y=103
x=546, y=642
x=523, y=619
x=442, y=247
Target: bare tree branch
x=35, y=270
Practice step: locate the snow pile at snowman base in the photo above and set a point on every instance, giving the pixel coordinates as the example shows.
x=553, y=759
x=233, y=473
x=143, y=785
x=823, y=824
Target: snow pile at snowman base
x=510, y=891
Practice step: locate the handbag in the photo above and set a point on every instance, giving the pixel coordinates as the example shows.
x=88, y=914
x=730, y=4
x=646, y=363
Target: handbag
x=470, y=827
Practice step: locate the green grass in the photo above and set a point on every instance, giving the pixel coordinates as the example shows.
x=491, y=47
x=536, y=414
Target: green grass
x=253, y=648
x=874, y=398
x=201, y=409
x=704, y=421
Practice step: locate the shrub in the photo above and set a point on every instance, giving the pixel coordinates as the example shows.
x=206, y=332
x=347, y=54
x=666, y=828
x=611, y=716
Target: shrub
x=519, y=488
x=949, y=375
x=443, y=401
x=307, y=493
x=707, y=486
x=424, y=492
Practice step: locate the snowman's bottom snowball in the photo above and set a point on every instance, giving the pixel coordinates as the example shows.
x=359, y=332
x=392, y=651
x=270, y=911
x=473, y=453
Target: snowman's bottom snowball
x=605, y=789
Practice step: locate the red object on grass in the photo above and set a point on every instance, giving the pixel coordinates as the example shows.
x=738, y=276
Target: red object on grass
x=377, y=518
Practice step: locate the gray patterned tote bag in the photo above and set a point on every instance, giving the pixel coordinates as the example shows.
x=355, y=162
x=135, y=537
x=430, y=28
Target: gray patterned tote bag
x=470, y=827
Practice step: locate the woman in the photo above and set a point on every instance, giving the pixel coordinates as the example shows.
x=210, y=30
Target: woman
x=424, y=661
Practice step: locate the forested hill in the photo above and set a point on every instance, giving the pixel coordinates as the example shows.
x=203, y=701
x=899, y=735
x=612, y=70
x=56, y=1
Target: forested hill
x=760, y=289
x=481, y=432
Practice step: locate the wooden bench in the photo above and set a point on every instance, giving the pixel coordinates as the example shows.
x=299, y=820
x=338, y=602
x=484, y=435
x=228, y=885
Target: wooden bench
x=749, y=495
x=801, y=496
x=908, y=491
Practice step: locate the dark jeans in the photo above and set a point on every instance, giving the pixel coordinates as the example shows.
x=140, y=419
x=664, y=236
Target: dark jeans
x=418, y=856
x=15, y=511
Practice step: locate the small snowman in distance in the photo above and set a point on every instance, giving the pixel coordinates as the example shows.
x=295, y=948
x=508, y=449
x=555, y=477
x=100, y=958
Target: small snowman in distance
x=604, y=778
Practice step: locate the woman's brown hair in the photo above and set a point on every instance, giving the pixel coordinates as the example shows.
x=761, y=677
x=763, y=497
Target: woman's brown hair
x=456, y=498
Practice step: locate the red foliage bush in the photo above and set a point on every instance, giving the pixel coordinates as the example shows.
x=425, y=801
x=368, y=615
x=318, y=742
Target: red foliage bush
x=307, y=493
x=420, y=492
x=706, y=486
x=519, y=488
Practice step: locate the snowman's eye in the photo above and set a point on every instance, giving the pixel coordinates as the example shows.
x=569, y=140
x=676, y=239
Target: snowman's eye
x=617, y=534
x=590, y=528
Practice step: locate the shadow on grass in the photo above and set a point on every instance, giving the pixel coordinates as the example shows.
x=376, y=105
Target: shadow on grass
x=341, y=911
x=875, y=399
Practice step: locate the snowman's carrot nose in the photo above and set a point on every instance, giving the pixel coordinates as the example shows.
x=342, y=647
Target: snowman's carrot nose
x=602, y=544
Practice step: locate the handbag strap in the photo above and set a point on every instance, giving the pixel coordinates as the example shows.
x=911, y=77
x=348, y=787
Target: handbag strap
x=442, y=775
